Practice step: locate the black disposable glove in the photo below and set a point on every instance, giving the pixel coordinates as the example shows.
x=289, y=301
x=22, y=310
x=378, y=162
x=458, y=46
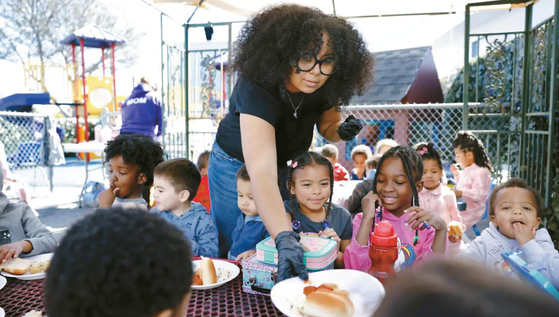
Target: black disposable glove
x=349, y=128
x=290, y=256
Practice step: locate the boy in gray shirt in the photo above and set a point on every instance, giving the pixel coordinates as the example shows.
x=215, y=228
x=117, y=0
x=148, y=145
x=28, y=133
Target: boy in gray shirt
x=20, y=230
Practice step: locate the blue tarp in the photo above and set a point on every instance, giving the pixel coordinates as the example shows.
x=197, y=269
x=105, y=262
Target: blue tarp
x=24, y=102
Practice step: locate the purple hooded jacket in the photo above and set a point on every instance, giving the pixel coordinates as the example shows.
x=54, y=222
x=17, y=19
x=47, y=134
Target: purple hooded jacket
x=141, y=112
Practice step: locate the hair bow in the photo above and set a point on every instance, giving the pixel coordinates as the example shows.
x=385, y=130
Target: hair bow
x=422, y=151
x=292, y=164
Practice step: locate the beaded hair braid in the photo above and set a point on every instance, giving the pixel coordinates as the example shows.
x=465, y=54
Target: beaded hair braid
x=308, y=159
x=411, y=162
x=467, y=141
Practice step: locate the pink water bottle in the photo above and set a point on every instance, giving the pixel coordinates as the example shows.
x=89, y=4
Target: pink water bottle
x=383, y=251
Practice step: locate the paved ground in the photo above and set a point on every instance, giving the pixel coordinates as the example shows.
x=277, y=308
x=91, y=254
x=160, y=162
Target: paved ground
x=59, y=209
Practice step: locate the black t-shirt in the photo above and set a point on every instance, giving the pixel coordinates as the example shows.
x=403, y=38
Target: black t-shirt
x=293, y=135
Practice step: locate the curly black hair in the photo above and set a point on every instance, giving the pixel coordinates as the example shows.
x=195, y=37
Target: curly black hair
x=309, y=159
x=467, y=141
x=119, y=262
x=276, y=38
x=136, y=149
x=182, y=174
x=427, y=152
x=519, y=183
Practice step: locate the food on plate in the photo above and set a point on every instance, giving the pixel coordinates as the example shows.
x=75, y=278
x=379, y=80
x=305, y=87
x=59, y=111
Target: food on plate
x=33, y=313
x=196, y=280
x=455, y=228
x=16, y=266
x=327, y=300
x=20, y=266
x=206, y=272
x=35, y=268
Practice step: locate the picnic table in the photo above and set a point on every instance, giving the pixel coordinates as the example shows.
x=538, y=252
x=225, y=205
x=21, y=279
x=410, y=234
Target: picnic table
x=19, y=297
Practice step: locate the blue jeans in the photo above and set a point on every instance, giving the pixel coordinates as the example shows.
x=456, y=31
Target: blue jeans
x=222, y=177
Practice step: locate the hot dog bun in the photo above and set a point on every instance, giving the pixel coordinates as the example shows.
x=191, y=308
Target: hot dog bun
x=455, y=228
x=207, y=271
x=327, y=303
x=16, y=266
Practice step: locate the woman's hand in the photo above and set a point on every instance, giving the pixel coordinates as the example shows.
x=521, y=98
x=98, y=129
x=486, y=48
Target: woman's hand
x=14, y=249
x=245, y=255
x=330, y=233
x=290, y=256
x=422, y=219
x=368, y=204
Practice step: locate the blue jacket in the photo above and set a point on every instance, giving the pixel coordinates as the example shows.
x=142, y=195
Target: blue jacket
x=198, y=227
x=248, y=232
x=141, y=112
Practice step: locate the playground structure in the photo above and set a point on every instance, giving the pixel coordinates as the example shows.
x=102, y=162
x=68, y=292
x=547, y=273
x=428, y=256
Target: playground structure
x=94, y=37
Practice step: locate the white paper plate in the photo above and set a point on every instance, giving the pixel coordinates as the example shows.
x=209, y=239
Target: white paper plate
x=219, y=265
x=365, y=291
x=3, y=282
x=2, y=312
x=28, y=276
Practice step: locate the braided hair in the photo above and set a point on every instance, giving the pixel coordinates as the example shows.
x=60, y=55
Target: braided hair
x=308, y=159
x=413, y=166
x=467, y=141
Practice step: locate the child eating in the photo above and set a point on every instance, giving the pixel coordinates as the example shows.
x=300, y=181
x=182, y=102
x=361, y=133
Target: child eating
x=310, y=182
x=132, y=159
x=514, y=210
x=176, y=182
x=21, y=233
x=250, y=229
x=396, y=186
x=120, y=262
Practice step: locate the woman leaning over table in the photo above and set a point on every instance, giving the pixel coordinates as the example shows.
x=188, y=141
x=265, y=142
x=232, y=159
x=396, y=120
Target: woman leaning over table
x=296, y=66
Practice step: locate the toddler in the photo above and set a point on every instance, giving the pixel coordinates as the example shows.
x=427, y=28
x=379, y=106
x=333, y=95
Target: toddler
x=474, y=180
x=435, y=196
x=21, y=233
x=249, y=229
x=359, y=155
x=310, y=182
x=203, y=194
x=330, y=151
x=132, y=159
x=120, y=262
x=176, y=182
x=515, y=211
x=395, y=187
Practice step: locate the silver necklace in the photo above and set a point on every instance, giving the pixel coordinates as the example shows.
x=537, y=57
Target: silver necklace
x=295, y=112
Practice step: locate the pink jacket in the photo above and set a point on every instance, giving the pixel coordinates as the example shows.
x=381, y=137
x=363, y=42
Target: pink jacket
x=356, y=256
x=474, y=182
x=441, y=201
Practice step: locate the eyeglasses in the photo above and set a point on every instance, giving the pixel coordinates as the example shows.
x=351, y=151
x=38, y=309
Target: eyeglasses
x=327, y=65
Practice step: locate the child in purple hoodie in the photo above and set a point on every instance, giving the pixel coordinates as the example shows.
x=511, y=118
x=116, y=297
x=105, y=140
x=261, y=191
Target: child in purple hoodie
x=396, y=186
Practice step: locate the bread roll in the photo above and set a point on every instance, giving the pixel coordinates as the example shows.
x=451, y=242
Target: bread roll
x=35, y=268
x=327, y=303
x=16, y=266
x=455, y=228
x=207, y=271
